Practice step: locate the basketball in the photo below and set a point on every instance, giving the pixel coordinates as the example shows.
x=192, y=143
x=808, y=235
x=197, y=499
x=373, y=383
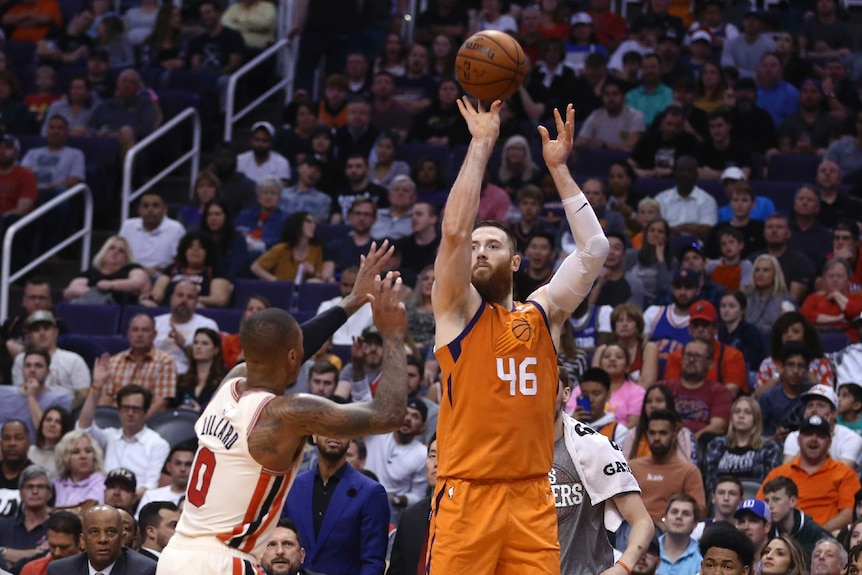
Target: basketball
x=491, y=65
x=522, y=329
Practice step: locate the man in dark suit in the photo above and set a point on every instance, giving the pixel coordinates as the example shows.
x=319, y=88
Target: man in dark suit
x=103, y=548
x=341, y=515
x=157, y=521
x=284, y=553
x=411, y=538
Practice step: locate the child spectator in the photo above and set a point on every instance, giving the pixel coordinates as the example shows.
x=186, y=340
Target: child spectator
x=39, y=102
x=849, y=406
x=730, y=271
x=333, y=106
x=648, y=210
x=529, y=223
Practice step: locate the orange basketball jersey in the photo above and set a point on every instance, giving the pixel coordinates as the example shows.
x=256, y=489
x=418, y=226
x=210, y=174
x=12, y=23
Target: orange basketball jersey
x=499, y=379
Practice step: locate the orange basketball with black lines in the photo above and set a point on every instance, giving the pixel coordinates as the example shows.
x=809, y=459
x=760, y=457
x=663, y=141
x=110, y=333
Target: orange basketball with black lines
x=491, y=65
x=522, y=329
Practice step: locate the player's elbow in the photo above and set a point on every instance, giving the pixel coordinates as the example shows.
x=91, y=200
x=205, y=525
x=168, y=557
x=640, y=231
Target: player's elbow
x=598, y=247
x=455, y=231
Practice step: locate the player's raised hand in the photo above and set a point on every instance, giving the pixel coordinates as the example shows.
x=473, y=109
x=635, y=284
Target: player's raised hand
x=482, y=125
x=556, y=152
x=390, y=315
x=370, y=267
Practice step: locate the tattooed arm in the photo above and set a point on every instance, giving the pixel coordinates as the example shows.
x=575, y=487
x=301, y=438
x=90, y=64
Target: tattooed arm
x=631, y=507
x=303, y=414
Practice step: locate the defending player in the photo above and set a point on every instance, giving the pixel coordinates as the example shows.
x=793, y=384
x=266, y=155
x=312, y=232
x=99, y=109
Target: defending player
x=493, y=511
x=251, y=437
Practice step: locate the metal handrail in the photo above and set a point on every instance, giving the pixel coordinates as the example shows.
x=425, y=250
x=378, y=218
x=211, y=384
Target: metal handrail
x=287, y=15
x=129, y=195
x=86, y=233
x=231, y=117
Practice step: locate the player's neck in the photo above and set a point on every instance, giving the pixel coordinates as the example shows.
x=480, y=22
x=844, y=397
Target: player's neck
x=327, y=468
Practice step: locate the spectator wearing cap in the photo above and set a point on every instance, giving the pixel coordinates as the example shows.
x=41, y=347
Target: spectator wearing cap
x=120, y=486
x=826, y=486
x=304, y=195
x=745, y=51
x=667, y=325
x=835, y=307
x=644, y=37
x=581, y=41
x=846, y=446
x=398, y=459
x=720, y=151
x=358, y=136
x=824, y=35
x=779, y=98
x=32, y=20
x=672, y=67
x=396, y=221
x=614, y=126
x=18, y=186
x=699, y=52
x=688, y=208
x=129, y=116
x=23, y=535
x=133, y=445
x=728, y=363
x=835, y=205
x=340, y=514
x=261, y=161
x=68, y=370
x=808, y=129
x=761, y=207
x=751, y=123
x=358, y=380
x=703, y=404
x=754, y=519
x=36, y=296
x=652, y=96
x=713, y=23
x=657, y=152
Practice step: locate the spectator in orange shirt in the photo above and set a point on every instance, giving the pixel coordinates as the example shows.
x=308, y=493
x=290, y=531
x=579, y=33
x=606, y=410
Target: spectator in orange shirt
x=31, y=20
x=64, y=534
x=231, y=350
x=826, y=487
x=834, y=306
x=728, y=364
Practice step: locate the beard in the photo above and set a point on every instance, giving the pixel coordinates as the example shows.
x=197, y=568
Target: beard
x=494, y=285
x=332, y=454
x=660, y=450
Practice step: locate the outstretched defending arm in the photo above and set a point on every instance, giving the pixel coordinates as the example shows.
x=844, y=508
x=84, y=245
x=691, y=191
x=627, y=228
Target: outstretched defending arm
x=452, y=267
x=572, y=282
x=305, y=414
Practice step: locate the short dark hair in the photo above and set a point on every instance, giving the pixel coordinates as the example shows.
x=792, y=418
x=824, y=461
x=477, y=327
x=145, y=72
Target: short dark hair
x=287, y=523
x=361, y=448
x=510, y=235
x=781, y=482
x=545, y=235
x=721, y=113
x=148, y=516
x=595, y=60
x=791, y=348
x=416, y=362
x=855, y=390
x=732, y=232
x=65, y=522
x=37, y=281
x=30, y=350
x=322, y=367
x=190, y=446
x=597, y=375
x=135, y=389
x=685, y=498
x=728, y=537
x=729, y=479
x=663, y=415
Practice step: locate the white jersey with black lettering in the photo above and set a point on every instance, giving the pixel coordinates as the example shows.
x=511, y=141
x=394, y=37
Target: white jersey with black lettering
x=230, y=495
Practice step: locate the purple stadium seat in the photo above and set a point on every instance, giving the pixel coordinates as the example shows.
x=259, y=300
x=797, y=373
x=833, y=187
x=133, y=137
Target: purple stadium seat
x=312, y=294
x=833, y=341
x=652, y=186
x=90, y=319
x=227, y=319
x=592, y=162
x=279, y=294
x=175, y=426
x=793, y=168
x=131, y=311
x=781, y=193
x=328, y=232
x=113, y=344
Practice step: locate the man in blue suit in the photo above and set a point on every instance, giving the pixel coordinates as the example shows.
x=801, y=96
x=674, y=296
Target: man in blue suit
x=104, y=550
x=341, y=515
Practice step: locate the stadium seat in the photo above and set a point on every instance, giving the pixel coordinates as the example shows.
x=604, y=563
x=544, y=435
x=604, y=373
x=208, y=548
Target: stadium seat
x=279, y=294
x=21, y=53
x=592, y=162
x=793, y=168
x=781, y=193
x=343, y=352
x=113, y=344
x=650, y=187
x=131, y=311
x=90, y=319
x=312, y=294
x=172, y=102
x=174, y=426
x=328, y=232
x=84, y=346
x=413, y=151
x=195, y=81
x=107, y=416
x=833, y=341
x=227, y=319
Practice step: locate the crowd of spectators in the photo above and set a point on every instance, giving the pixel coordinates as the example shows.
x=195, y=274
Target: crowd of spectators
x=721, y=150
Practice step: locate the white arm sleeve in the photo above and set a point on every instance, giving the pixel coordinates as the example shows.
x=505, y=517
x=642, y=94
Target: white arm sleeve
x=575, y=277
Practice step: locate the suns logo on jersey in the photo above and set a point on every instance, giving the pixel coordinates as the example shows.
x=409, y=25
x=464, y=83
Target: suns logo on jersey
x=521, y=328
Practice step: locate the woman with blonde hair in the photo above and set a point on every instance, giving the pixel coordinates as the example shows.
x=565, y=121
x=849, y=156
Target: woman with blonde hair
x=627, y=327
x=768, y=296
x=517, y=167
x=80, y=470
x=782, y=555
x=742, y=453
x=114, y=277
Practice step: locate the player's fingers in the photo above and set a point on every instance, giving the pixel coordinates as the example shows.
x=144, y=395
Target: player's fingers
x=496, y=105
x=396, y=291
x=558, y=120
x=543, y=133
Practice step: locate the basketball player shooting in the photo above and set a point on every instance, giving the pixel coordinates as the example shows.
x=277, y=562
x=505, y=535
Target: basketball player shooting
x=251, y=436
x=493, y=510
